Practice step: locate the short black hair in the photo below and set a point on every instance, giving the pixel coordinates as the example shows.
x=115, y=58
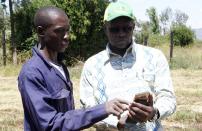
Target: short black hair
x=42, y=15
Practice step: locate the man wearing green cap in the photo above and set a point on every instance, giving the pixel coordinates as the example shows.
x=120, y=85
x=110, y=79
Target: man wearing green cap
x=125, y=69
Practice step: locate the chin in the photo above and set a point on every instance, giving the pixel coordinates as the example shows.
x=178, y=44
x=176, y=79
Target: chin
x=122, y=45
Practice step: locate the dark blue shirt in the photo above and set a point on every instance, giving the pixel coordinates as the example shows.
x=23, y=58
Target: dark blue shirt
x=47, y=99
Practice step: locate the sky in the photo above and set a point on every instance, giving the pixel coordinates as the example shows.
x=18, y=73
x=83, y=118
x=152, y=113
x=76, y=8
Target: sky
x=193, y=8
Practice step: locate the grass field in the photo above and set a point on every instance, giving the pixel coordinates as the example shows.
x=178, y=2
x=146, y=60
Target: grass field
x=187, y=80
x=187, y=85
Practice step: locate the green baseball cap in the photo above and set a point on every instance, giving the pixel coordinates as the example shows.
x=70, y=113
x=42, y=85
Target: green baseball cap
x=117, y=9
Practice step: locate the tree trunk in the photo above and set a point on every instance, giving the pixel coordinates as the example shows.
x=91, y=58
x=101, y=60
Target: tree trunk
x=4, y=47
x=145, y=40
x=171, y=45
x=13, y=45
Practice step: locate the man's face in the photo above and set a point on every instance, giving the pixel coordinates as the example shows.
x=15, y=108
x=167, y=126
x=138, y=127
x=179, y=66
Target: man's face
x=56, y=36
x=119, y=32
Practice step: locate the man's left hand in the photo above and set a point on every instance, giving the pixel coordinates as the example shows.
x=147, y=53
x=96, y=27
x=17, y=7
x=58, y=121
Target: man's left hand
x=141, y=113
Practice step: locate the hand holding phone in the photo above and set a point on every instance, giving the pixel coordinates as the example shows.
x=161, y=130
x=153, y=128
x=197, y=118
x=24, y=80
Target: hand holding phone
x=144, y=98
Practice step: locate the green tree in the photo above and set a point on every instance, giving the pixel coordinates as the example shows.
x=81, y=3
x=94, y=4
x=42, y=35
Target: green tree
x=165, y=17
x=142, y=35
x=154, y=21
x=180, y=17
x=86, y=20
x=1, y=17
x=87, y=35
x=12, y=39
x=24, y=26
x=3, y=30
x=182, y=35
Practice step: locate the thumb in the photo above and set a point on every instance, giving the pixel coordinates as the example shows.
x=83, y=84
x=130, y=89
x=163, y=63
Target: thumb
x=150, y=100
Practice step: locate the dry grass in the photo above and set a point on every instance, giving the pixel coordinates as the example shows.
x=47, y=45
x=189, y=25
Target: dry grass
x=11, y=112
x=188, y=91
x=187, y=85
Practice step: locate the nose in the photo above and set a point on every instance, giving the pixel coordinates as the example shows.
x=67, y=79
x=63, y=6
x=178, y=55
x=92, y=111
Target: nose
x=121, y=33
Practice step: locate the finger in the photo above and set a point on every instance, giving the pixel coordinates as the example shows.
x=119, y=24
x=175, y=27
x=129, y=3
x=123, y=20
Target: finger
x=141, y=106
x=119, y=117
x=122, y=106
x=114, y=109
x=116, y=113
x=118, y=107
x=136, y=117
x=123, y=101
x=139, y=112
x=150, y=100
x=131, y=113
x=132, y=116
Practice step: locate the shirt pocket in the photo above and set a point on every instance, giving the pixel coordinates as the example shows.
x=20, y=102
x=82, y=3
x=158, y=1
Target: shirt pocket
x=61, y=100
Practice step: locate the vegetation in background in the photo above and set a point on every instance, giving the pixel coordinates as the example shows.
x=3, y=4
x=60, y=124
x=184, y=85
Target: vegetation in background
x=154, y=20
x=188, y=57
x=143, y=35
x=10, y=70
x=158, y=40
x=87, y=36
x=183, y=35
x=1, y=18
x=165, y=20
x=24, y=26
x=86, y=20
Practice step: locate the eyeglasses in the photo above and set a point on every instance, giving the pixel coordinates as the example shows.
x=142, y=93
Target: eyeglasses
x=126, y=29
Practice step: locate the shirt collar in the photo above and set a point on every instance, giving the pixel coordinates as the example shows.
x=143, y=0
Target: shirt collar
x=37, y=53
x=131, y=49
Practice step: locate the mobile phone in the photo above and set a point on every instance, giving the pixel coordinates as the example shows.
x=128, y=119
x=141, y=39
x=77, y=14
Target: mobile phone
x=144, y=98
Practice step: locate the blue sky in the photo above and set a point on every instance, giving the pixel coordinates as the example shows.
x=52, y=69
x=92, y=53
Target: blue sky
x=193, y=8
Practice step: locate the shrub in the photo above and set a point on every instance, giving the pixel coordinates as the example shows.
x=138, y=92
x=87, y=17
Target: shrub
x=157, y=39
x=182, y=35
x=153, y=39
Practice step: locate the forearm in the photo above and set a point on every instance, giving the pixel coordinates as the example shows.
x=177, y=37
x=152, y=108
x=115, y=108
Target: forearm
x=80, y=119
x=166, y=104
x=47, y=118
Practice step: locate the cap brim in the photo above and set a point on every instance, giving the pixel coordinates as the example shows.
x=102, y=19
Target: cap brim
x=112, y=18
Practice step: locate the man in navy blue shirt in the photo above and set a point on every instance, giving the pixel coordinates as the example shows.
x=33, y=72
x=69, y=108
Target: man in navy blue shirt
x=44, y=83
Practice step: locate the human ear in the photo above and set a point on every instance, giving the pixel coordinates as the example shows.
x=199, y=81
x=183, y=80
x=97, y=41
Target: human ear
x=105, y=28
x=133, y=25
x=40, y=31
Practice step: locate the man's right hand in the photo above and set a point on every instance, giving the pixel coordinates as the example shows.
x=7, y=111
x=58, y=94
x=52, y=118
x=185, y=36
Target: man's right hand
x=116, y=107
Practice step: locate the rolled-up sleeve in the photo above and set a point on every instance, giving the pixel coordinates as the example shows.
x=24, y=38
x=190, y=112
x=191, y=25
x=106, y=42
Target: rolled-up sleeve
x=43, y=116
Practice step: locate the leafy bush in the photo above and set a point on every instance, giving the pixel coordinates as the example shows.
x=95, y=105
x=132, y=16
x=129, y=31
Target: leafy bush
x=139, y=38
x=153, y=39
x=182, y=35
x=86, y=20
x=24, y=56
x=157, y=39
x=25, y=34
x=86, y=17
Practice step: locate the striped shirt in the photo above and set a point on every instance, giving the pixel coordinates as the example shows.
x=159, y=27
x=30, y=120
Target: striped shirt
x=106, y=76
